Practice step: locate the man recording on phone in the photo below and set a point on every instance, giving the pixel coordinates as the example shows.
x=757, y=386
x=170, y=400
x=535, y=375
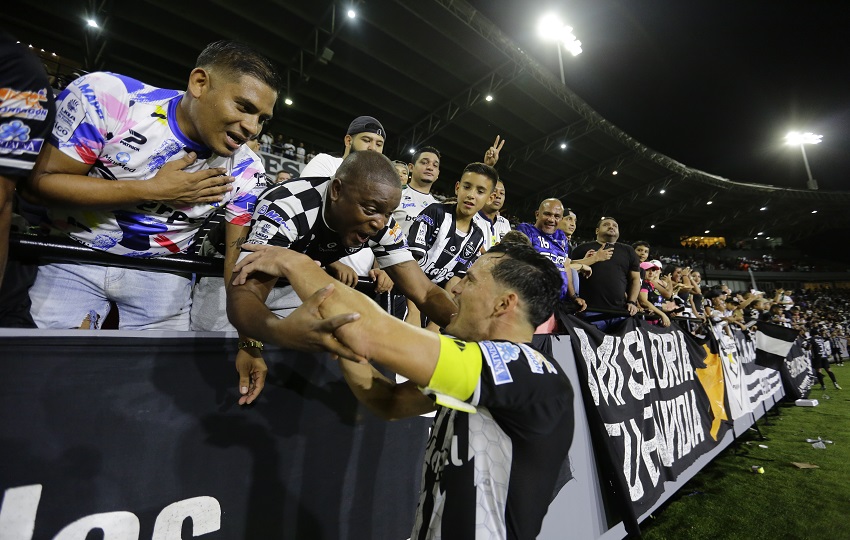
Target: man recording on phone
x=615, y=282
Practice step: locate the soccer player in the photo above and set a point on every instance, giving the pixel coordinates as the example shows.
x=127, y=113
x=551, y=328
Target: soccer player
x=504, y=411
x=134, y=170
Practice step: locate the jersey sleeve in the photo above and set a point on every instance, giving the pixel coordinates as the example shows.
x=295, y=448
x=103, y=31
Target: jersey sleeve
x=275, y=220
x=390, y=245
x=86, y=112
x=525, y=390
x=322, y=165
x=250, y=182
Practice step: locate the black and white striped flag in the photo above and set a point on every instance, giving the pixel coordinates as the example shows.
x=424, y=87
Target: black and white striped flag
x=773, y=342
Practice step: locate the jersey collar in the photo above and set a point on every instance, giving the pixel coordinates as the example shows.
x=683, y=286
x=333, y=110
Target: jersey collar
x=190, y=145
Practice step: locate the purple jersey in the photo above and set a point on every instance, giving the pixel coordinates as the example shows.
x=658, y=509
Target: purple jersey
x=554, y=246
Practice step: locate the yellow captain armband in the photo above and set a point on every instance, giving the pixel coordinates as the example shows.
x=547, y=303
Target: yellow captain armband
x=457, y=373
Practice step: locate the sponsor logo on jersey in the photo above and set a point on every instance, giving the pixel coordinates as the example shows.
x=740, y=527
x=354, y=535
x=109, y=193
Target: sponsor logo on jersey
x=536, y=360
x=122, y=157
x=91, y=97
x=426, y=219
x=395, y=233
x=407, y=205
x=69, y=115
x=116, y=161
x=420, y=234
x=274, y=216
x=15, y=139
x=498, y=355
x=22, y=104
x=134, y=141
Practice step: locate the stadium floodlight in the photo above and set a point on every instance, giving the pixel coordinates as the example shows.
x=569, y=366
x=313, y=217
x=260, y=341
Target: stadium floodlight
x=92, y=23
x=351, y=13
x=796, y=138
x=488, y=97
x=551, y=28
x=287, y=101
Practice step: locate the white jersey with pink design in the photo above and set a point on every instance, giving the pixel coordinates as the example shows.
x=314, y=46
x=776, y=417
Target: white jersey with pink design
x=127, y=130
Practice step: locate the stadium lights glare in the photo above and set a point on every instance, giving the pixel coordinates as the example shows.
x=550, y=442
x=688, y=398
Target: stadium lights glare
x=763, y=208
x=563, y=146
x=652, y=226
x=710, y=202
x=287, y=101
x=707, y=231
x=615, y=173
x=814, y=211
x=551, y=28
x=92, y=23
x=796, y=138
x=488, y=97
x=413, y=150
x=761, y=234
x=351, y=13
x=663, y=191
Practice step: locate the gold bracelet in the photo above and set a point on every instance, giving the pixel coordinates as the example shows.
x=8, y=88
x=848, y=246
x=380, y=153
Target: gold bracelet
x=251, y=344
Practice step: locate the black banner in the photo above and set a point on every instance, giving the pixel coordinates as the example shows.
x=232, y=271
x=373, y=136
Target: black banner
x=655, y=416
x=133, y=435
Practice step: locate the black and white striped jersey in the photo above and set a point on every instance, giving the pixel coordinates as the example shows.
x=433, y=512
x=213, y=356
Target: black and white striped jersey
x=442, y=251
x=492, y=474
x=291, y=215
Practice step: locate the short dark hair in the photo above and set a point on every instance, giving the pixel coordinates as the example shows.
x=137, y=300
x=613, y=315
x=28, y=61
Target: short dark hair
x=429, y=149
x=368, y=167
x=605, y=218
x=240, y=59
x=533, y=276
x=641, y=243
x=482, y=169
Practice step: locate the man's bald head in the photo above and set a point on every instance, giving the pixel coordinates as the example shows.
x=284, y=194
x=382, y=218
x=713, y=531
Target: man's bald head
x=367, y=168
x=548, y=215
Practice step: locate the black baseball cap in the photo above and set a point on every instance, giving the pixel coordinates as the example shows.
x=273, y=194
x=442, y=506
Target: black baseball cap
x=366, y=124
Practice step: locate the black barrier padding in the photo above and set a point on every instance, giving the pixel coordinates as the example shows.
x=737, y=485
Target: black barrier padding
x=135, y=424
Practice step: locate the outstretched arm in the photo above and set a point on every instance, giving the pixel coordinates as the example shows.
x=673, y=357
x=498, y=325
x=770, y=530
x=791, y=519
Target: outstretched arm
x=373, y=334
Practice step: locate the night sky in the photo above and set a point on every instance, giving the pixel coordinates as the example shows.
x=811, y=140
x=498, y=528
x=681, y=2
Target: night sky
x=714, y=84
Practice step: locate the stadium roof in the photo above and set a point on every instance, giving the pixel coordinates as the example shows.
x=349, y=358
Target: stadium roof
x=424, y=68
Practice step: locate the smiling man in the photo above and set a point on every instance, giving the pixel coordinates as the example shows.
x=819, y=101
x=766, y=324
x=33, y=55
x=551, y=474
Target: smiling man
x=504, y=411
x=549, y=240
x=134, y=170
x=326, y=219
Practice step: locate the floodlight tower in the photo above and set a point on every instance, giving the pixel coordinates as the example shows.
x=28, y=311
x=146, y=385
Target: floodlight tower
x=551, y=28
x=795, y=138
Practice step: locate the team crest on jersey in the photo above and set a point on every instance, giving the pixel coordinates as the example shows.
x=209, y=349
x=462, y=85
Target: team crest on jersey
x=498, y=354
x=468, y=250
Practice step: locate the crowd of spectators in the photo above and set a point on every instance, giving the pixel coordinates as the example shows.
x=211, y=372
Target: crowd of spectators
x=357, y=215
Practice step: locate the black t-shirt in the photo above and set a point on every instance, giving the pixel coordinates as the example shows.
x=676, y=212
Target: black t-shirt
x=608, y=285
